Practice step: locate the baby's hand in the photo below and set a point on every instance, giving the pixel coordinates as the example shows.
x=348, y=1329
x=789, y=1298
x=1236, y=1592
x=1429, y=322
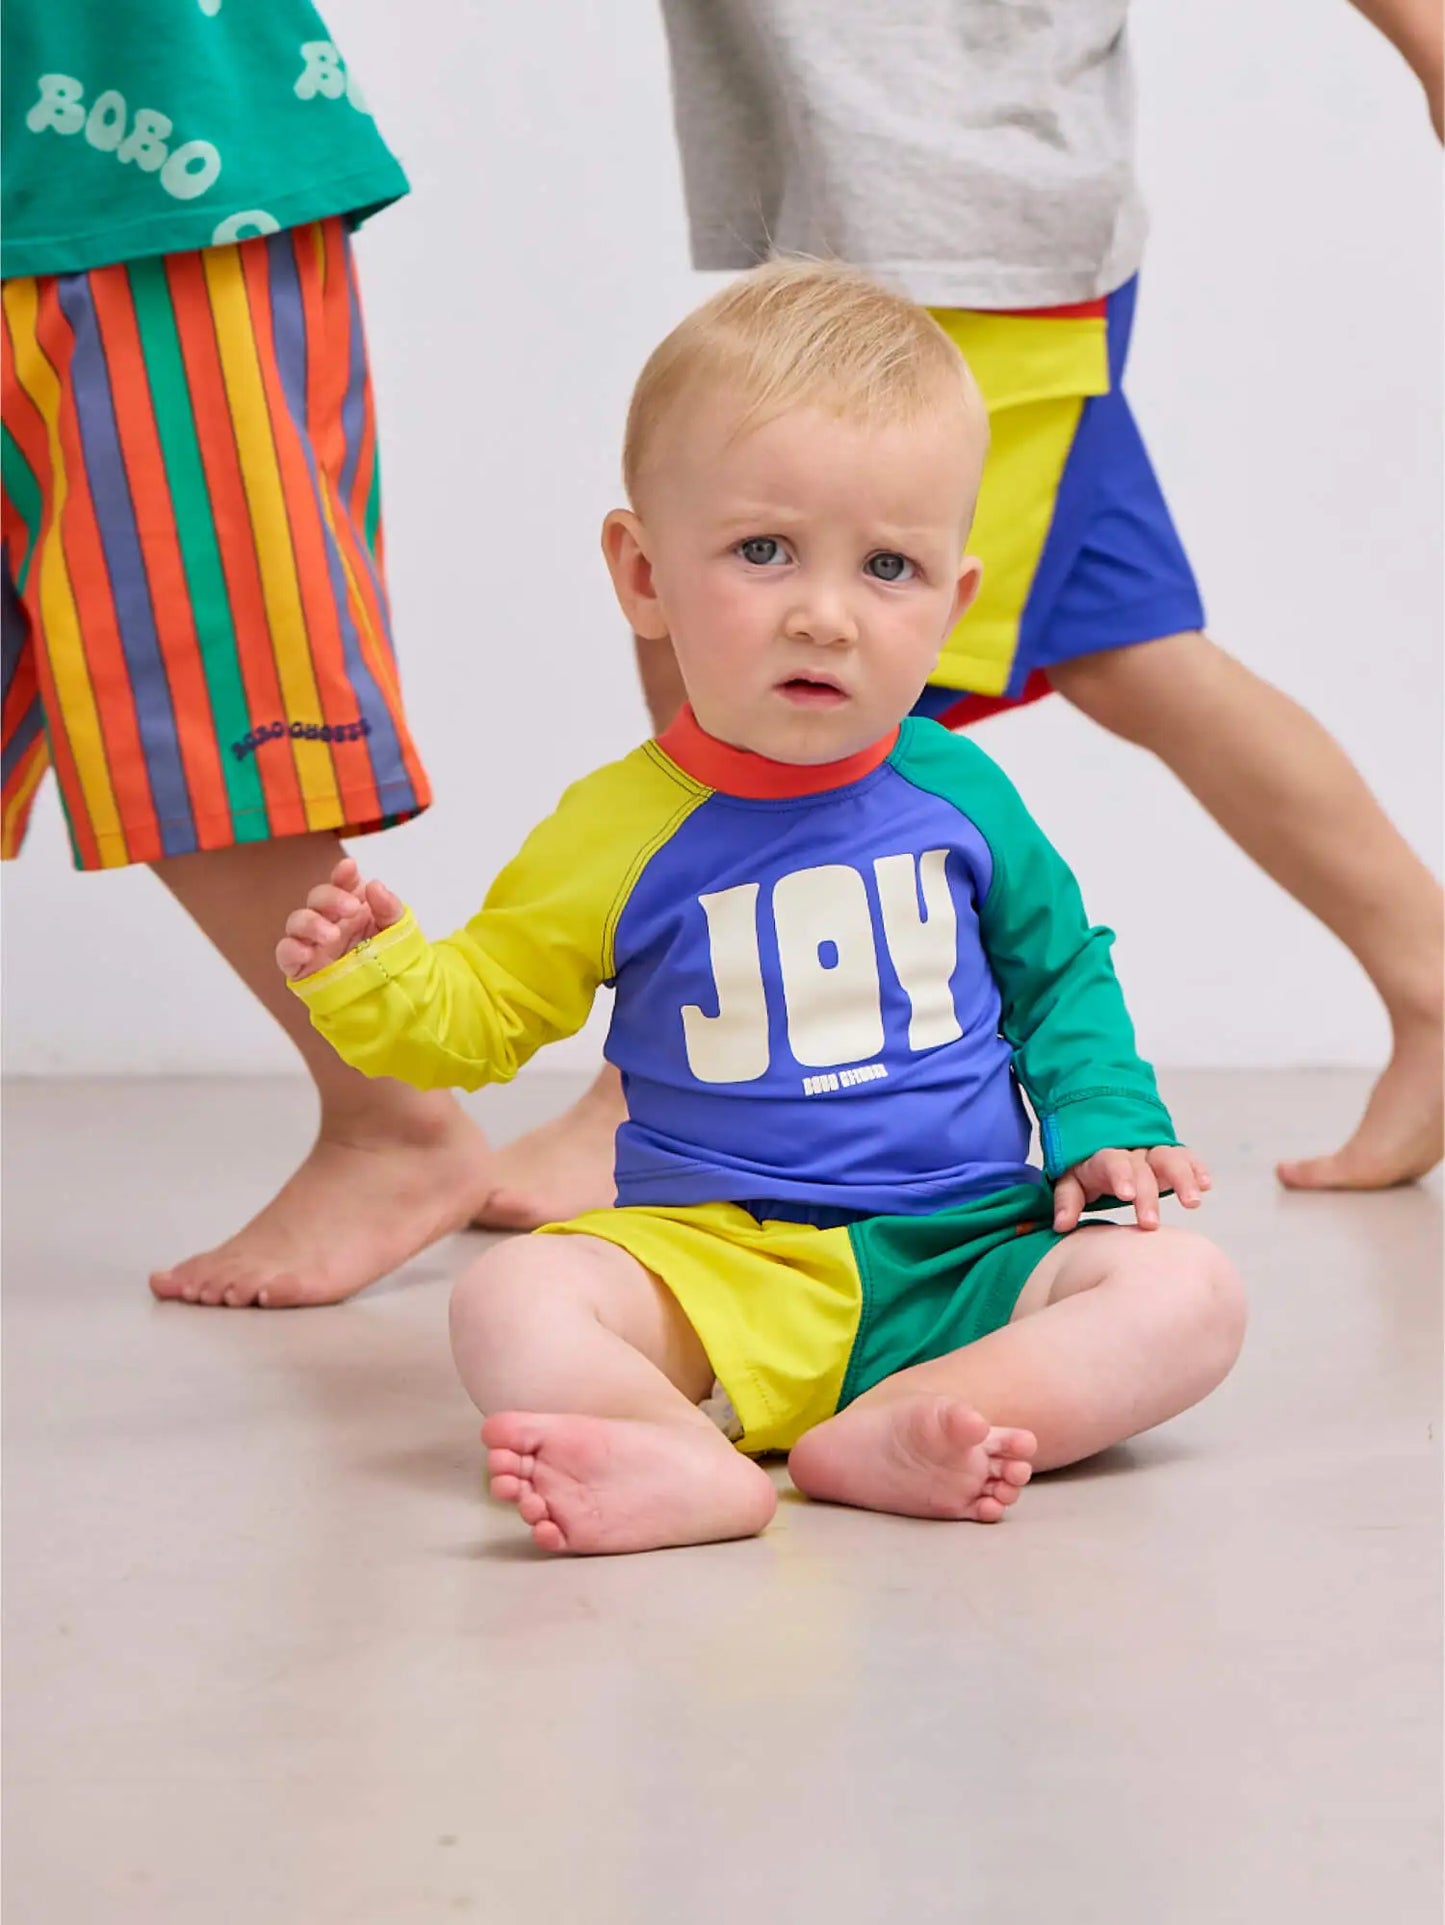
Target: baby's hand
x=1134, y=1176
x=338, y=915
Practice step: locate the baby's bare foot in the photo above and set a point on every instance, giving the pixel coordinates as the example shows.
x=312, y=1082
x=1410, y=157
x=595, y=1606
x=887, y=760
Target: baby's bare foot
x=354, y=1211
x=561, y=1169
x=607, y=1484
x=921, y=1456
x=1400, y=1134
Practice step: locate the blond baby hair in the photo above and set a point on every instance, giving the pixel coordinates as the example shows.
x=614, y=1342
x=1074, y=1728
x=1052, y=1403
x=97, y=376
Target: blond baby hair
x=798, y=333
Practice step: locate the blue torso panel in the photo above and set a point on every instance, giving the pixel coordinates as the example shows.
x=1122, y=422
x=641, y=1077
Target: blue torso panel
x=805, y=1013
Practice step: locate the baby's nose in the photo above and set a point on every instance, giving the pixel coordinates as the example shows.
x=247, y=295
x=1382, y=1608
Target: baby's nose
x=823, y=618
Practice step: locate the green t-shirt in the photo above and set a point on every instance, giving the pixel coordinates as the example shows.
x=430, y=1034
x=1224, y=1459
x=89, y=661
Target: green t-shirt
x=138, y=127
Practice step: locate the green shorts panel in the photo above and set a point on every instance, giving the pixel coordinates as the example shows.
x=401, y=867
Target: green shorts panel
x=932, y=1284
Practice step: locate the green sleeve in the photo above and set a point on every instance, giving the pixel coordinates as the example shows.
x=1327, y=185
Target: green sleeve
x=1063, y=1011
x=524, y=971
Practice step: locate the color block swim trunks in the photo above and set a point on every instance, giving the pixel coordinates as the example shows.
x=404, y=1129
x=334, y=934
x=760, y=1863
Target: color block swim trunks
x=1079, y=549
x=800, y=1318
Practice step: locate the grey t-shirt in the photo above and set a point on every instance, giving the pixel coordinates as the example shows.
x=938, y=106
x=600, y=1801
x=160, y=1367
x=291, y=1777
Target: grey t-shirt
x=974, y=153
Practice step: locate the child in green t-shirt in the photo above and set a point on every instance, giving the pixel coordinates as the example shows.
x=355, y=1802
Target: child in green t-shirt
x=196, y=634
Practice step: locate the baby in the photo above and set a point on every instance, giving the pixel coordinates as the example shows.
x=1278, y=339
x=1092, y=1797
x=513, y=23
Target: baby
x=843, y=954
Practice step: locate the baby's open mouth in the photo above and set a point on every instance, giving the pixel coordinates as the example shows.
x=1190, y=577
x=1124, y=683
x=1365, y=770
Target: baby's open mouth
x=808, y=691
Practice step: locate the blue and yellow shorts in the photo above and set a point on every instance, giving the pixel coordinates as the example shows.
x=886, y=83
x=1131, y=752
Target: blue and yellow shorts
x=1079, y=550
x=798, y=1319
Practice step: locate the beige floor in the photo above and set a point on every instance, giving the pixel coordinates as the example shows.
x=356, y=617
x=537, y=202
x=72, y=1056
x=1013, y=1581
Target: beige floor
x=269, y=1657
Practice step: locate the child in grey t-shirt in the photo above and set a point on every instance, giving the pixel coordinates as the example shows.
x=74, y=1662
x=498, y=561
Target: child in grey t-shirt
x=979, y=156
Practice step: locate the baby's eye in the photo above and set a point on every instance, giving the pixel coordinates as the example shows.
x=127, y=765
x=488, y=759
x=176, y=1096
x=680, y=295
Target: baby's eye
x=763, y=551
x=889, y=567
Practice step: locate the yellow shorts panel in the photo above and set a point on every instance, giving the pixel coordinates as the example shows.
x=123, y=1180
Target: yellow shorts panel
x=776, y=1305
x=1035, y=374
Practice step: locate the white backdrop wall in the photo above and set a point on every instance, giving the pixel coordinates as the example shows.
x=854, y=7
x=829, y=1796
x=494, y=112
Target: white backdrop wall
x=1286, y=369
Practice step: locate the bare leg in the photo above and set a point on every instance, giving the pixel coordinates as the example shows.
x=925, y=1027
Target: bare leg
x=392, y=1169
x=1117, y=1330
x=1282, y=787
x=591, y=1375
x=565, y=1167
x=562, y=1168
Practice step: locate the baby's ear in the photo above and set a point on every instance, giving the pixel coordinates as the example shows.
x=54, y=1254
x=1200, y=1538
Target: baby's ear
x=970, y=580
x=624, y=547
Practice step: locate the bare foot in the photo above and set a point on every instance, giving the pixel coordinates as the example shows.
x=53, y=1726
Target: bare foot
x=354, y=1211
x=561, y=1169
x=921, y=1456
x=1400, y=1135
x=590, y=1484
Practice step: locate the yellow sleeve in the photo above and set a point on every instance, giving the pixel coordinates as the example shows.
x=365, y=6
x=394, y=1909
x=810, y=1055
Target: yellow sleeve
x=474, y=1007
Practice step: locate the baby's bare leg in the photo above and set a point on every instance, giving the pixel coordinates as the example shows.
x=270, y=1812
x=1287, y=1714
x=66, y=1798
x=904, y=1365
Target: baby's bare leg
x=590, y=1376
x=1116, y=1331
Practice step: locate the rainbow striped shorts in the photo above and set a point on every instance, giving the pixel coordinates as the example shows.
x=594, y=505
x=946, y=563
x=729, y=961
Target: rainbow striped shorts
x=196, y=631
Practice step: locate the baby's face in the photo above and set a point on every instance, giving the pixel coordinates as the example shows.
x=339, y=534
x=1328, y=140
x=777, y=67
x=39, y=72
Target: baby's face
x=807, y=571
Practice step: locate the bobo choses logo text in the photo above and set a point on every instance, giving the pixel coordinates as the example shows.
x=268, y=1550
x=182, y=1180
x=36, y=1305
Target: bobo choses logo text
x=828, y=963
x=142, y=138
x=356, y=731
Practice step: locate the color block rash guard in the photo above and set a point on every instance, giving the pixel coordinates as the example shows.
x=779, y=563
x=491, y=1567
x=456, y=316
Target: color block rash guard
x=832, y=984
